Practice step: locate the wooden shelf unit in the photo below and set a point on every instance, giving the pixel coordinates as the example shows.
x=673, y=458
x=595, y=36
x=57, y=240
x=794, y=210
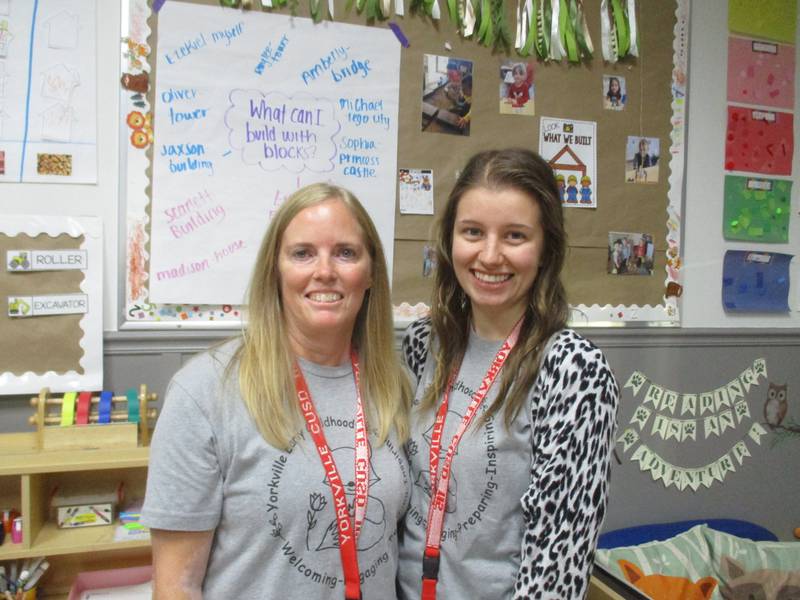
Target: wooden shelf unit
x=27, y=478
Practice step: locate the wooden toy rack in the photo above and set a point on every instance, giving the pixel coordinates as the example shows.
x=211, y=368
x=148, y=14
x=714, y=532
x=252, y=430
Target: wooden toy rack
x=121, y=432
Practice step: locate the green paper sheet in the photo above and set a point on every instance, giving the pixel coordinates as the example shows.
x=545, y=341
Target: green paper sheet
x=756, y=209
x=770, y=19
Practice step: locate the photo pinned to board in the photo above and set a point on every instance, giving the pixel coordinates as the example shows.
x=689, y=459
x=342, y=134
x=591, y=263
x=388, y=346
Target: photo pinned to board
x=516, y=88
x=446, y=94
x=630, y=253
x=415, y=191
x=641, y=159
x=429, y=261
x=570, y=148
x=615, y=94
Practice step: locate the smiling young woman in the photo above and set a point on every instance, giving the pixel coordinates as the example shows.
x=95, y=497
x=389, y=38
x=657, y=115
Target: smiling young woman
x=508, y=509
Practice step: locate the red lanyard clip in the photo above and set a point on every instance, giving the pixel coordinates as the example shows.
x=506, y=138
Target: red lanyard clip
x=430, y=563
x=430, y=573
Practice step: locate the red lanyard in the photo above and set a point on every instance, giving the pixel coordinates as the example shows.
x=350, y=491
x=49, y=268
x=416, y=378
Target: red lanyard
x=436, y=510
x=348, y=529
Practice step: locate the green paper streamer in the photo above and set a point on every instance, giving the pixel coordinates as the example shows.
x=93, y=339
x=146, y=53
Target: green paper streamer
x=530, y=40
x=567, y=31
x=621, y=23
x=452, y=9
x=502, y=36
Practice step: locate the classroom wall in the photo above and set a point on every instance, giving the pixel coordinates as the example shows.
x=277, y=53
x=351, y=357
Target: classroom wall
x=706, y=353
x=704, y=246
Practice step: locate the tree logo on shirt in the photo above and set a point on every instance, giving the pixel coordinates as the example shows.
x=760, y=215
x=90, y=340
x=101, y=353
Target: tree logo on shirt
x=322, y=531
x=423, y=479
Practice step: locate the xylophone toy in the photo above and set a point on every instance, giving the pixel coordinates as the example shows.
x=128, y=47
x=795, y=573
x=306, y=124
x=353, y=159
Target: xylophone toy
x=83, y=420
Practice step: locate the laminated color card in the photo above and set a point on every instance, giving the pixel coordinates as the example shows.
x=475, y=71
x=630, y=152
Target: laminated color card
x=759, y=141
x=51, y=326
x=760, y=73
x=770, y=19
x=755, y=281
x=757, y=210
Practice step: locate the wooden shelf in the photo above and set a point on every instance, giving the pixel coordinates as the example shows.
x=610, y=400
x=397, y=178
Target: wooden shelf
x=74, y=460
x=27, y=478
x=52, y=540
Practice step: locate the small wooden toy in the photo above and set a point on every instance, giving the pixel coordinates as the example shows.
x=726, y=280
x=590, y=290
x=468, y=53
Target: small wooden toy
x=86, y=421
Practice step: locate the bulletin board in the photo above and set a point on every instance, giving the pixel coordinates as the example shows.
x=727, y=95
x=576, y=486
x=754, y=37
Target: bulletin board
x=655, y=85
x=52, y=286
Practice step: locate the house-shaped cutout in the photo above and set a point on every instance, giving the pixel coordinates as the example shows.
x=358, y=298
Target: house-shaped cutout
x=57, y=121
x=59, y=81
x=62, y=31
x=566, y=160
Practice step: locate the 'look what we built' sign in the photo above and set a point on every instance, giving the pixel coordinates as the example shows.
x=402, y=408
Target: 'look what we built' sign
x=249, y=107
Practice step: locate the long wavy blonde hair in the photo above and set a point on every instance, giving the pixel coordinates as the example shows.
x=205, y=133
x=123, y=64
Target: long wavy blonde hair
x=265, y=361
x=547, y=309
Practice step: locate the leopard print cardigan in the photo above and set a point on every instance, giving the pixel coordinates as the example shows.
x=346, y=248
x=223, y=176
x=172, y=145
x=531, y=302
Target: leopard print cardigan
x=573, y=420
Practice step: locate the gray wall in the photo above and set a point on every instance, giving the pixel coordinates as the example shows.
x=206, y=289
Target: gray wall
x=764, y=489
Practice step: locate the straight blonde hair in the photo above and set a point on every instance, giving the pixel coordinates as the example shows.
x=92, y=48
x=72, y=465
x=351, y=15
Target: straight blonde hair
x=265, y=362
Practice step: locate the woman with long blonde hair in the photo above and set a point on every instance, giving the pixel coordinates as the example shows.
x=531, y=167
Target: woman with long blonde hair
x=276, y=468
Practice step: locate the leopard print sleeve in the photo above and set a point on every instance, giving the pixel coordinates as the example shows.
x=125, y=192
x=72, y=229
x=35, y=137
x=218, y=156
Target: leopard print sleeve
x=573, y=421
x=415, y=347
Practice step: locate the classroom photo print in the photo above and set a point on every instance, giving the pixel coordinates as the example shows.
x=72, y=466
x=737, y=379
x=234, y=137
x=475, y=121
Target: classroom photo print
x=615, y=93
x=516, y=88
x=630, y=253
x=641, y=159
x=446, y=94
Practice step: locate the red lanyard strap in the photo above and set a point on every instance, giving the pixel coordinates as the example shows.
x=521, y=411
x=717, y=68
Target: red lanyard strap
x=348, y=528
x=439, y=481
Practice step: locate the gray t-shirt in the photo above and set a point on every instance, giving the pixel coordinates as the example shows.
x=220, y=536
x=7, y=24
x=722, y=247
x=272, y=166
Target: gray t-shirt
x=528, y=501
x=272, y=511
x=483, y=495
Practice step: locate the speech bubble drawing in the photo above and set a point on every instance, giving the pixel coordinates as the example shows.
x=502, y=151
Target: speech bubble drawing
x=277, y=131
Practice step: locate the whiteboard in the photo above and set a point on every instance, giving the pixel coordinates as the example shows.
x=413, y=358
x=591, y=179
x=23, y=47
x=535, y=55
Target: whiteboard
x=249, y=107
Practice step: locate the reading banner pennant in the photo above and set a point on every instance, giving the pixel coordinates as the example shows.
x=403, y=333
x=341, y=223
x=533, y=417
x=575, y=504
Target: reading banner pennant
x=636, y=381
x=717, y=410
x=688, y=404
x=685, y=477
x=742, y=410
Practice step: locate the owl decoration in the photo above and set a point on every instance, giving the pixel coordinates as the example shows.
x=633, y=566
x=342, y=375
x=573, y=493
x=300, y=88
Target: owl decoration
x=776, y=405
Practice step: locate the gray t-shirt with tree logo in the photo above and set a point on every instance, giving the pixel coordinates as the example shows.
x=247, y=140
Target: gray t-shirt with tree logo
x=272, y=511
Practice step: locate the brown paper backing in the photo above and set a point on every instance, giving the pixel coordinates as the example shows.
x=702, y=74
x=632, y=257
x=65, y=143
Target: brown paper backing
x=562, y=90
x=39, y=344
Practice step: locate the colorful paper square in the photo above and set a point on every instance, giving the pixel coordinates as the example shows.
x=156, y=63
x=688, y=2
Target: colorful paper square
x=770, y=19
x=755, y=281
x=757, y=210
x=759, y=141
x=760, y=73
